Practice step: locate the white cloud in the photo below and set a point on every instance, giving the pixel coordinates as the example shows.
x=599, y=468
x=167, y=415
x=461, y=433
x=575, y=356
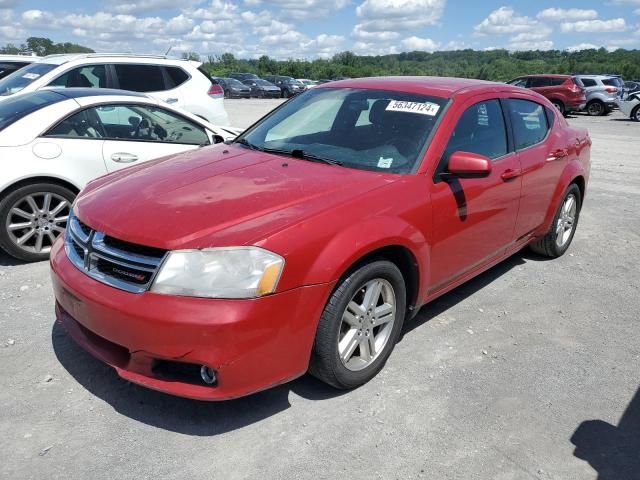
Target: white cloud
x=417, y=43
x=396, y=15
x=372, y=48
x=582, y=46
x=567, y=14
x=362, y=34
x=535, y=45
x=307, y=9
x=126, y=6
x=504, y=20
x=594, y=26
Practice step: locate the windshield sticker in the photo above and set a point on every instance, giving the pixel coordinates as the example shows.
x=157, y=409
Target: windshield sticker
x=384, y=162
x=30, y=76
x=426, y=108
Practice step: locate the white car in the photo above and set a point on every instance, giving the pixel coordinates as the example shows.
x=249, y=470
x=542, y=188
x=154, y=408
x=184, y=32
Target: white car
x=630, y=107
x=307, y=83
x=54, y=141
x=11, y=63
x=182, y=83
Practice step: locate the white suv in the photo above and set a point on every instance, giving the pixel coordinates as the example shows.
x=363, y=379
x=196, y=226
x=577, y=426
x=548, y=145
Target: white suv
x=179, y=82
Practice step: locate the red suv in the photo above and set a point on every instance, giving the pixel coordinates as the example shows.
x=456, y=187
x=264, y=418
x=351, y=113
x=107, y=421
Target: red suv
x=307, y=243
x=564, y=91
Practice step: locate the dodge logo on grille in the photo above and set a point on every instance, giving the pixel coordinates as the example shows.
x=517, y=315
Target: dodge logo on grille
x=136, y=276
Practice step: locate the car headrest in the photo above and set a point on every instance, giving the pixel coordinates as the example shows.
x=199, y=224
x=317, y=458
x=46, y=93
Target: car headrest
x=377, y=111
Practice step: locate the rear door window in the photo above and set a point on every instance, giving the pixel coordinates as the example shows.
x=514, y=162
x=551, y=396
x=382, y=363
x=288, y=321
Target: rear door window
x=89, y=76
x=140, y=78
x=480, y=129
x=557, y=81
x=588, y=82
x=529, y=122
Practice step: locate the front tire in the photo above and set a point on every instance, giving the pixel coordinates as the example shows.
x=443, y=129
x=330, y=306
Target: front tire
x=31, y=219
x=635, y=114
x=557, y=240
x=359, y=326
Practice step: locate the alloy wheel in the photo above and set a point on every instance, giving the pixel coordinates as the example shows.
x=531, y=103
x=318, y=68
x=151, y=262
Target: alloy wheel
x=566, y=220
x=595, y=109
x=367, y=324
x=35, y=221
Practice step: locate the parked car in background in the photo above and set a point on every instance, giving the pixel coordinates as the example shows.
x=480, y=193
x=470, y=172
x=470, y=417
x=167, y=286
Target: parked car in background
x=562, y=90
x=179, y=82
x=630, y=106
x=630, y=87
x=324, y=80
x=233, y=88
x=601, y=93
x=11, y=63
x=288, y=85
x=307, y=83
x=243, y=76
x=262, y=89
x=305, y=244
x=53, y=141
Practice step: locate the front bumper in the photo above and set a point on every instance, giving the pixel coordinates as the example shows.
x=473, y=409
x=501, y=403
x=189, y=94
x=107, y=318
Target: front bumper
x=251, y=344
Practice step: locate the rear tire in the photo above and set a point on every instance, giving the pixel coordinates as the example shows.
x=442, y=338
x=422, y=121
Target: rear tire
x=635, y=114
x=557, y=240
x=359, y=326
x=31, y=219
x=596, y=108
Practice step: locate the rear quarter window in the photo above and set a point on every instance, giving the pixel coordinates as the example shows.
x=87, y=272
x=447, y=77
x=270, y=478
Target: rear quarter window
x=177, y=76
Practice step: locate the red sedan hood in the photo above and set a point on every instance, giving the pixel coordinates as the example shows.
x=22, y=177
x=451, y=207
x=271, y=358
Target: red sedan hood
x=217, y=196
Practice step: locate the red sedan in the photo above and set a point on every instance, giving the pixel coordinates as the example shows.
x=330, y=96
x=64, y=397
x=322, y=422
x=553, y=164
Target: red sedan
x=304, y=245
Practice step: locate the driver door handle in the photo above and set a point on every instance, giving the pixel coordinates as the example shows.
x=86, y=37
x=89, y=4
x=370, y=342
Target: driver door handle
x=510, y=174
x=171, y=100
x=122, y=157
x=558, y=154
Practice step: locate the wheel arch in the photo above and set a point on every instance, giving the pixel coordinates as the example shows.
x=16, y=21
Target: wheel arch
x=39, y=179
x=573, y=173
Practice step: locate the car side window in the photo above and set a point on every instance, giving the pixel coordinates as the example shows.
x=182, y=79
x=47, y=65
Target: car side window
x=519, y=82
x=140, y=78
x=588, y=82
x=529, y=122
x=481, y=129
x=145, y=123
x=83, y=125
x=537, y=82
x=177, y=76
x=89, y=76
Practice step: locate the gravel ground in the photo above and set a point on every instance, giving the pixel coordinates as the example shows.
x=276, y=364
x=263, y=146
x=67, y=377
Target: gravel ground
x=492, y=381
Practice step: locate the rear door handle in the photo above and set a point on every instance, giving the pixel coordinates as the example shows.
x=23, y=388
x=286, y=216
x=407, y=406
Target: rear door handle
x=124, y=157
x=171, y=100
x=557, y=154
x=510, y=174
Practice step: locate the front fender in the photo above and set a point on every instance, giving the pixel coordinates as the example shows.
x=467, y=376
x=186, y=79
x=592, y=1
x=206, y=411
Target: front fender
x=358, y=240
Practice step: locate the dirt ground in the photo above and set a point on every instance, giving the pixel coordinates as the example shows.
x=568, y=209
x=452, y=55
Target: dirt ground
x=529, y=371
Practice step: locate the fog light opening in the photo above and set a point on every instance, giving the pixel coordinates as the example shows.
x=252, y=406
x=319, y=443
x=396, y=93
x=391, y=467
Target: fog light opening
x=208, y=375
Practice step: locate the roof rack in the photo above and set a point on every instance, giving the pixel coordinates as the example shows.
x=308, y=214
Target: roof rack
x=97, y=55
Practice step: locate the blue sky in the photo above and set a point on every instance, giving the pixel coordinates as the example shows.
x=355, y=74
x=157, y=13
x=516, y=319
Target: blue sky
x=320, y=28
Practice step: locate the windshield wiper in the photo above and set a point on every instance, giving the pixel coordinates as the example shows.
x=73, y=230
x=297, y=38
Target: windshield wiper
x=297, y=153
x=246, y=143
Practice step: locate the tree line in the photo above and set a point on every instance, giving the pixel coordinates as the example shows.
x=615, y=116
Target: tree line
x=499, y=65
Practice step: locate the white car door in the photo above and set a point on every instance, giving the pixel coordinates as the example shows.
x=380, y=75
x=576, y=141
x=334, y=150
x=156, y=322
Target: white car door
x=136, y=133
x=72, y=148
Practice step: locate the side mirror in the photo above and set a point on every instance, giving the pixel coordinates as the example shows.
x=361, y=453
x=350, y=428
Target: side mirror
x=467, y=165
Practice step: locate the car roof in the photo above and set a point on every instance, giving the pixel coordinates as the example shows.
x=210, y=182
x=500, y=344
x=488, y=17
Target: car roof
x=62, y=58
x=436, y=86
x=19, y=58
x=549, y=75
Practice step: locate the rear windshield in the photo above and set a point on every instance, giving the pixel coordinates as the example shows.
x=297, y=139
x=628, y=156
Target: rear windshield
x=13, y=109
x=613, y=82
x=23, y=77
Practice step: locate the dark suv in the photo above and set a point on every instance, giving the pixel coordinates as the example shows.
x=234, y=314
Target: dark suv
x=563, y=91
x=288, y=85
